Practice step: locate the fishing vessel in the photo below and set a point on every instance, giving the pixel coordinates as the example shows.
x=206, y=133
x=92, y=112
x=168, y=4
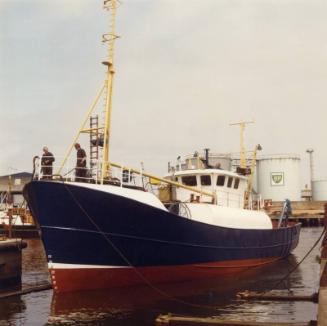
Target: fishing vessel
x=107, y=229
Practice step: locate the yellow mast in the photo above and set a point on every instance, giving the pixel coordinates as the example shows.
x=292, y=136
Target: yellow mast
x=250, y=178
x=242, y=125
x=110, y=5
x=109, y=38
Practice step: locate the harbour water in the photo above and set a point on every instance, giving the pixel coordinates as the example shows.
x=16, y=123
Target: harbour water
x=141, y=305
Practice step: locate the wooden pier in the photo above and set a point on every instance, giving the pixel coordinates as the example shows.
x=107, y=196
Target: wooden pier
x=20, y=231
x=306, y=221
x=26, y=290
x=10, y=261
x=173, y=320
x=309, y=213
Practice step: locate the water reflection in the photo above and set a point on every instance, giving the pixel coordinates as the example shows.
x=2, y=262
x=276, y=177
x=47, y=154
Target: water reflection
x=140, y=305
x=10, y=307
x=35, y=269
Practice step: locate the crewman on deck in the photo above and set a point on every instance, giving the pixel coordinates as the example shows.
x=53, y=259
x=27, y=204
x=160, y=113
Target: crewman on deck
x=46, y=163
x=80, y=170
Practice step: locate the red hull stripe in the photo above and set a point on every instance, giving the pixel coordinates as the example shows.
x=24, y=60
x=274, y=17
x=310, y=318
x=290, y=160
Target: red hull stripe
x=75, y=279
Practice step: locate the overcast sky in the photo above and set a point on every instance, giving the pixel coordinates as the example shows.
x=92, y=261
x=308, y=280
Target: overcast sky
x=185, y=70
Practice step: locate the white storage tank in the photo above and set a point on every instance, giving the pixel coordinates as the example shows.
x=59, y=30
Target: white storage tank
x=278, y=177
x=319, y=190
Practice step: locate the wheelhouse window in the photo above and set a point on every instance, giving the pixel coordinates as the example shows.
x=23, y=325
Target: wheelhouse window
x=236, y=183
x=205, y=180
x=189, y=180
x=221, y=180
x=230, y=182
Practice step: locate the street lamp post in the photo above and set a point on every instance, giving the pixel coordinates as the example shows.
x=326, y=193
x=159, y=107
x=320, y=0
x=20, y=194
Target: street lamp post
x=310, y=152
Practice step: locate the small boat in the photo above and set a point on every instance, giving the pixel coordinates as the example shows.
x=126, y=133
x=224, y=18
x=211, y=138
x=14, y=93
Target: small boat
x=10, y=246
x=10, y=249
x=108, y=230
x=21, y=224
x=15, y=218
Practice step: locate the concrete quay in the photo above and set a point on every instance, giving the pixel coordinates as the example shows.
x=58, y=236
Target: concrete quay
x=10, y=261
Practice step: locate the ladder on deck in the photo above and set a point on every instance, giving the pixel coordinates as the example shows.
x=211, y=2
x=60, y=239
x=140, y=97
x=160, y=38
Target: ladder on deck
x=95, y=142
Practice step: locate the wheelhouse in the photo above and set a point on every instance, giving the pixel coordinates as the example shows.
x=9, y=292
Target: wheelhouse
x=229, y=187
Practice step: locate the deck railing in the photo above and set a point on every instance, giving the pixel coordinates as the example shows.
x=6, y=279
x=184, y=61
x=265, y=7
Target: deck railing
x=123, y=177
x=89, y=174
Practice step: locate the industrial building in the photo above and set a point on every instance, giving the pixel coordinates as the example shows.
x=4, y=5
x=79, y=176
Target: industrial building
x=16, y=183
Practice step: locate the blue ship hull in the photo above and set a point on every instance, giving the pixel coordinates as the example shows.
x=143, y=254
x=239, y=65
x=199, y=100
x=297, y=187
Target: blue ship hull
x=89, y=233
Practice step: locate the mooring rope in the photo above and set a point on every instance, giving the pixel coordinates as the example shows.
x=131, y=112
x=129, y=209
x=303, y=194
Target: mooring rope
x=295, y=267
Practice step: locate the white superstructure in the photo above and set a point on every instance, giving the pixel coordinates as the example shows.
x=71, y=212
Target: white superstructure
x=225, y=209
x=229, y=187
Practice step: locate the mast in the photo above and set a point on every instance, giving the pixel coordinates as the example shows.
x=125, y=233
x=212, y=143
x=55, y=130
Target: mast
x=242, y=125
x=249, y=187
x=106, y=92
x=109, y=38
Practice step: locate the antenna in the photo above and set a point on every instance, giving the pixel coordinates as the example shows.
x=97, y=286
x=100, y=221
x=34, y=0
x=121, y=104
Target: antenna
x=242, y=125
x=109, y=38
